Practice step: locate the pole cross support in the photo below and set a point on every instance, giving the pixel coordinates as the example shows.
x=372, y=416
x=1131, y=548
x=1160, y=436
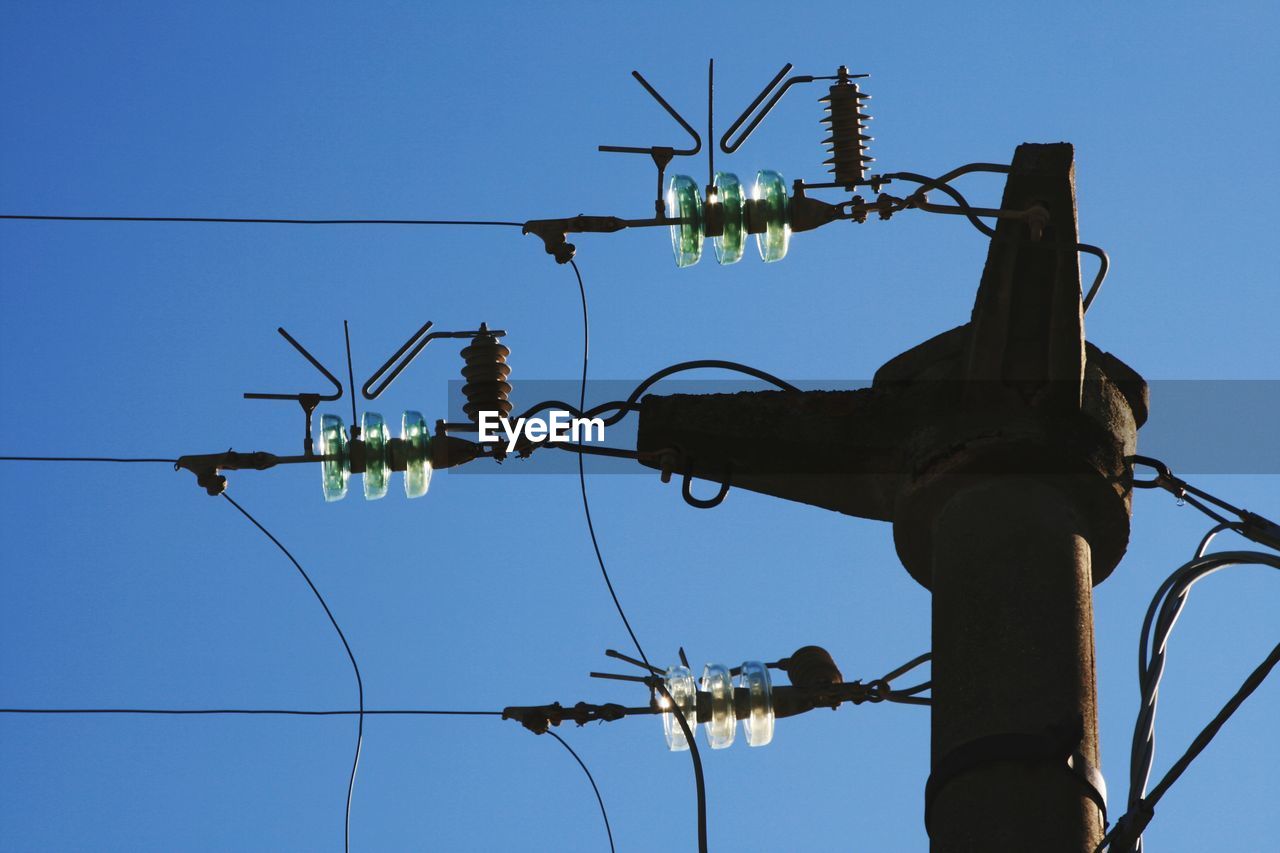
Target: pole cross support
x=997, y=450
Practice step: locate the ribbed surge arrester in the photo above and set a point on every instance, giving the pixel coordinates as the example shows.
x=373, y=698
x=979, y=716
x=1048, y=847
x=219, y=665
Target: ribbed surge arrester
x=847, y=124
x=486, y=371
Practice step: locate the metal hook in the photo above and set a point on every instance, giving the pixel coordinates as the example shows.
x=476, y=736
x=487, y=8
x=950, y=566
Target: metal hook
x=729, y=147
x=421, y=338
x=1163, y=474
x=702, y=503
x=653, y=150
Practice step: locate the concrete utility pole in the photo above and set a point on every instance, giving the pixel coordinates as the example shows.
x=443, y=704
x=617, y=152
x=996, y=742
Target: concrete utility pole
x=996, y=449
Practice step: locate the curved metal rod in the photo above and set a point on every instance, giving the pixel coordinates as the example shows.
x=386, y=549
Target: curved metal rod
x=972, y=213
x=1104, y=264
x=421, y=338
x=703, y=503
x=729, y=147
x=387, y=364
x=764, y=93
x=1163, y=474
x=671, y=111
x=317, y=365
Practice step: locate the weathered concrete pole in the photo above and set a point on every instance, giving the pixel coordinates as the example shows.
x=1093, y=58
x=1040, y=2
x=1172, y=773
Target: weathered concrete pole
x=1015, y=506
x=996, y=449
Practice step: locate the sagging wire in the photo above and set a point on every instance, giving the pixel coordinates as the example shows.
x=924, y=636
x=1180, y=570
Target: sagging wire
x=1212, y=534
x=603, y=812
x=1161, y=616
x=355, y=667
x=621, y=408
x=582, y=474
x=698, y=780
x=943, y=184
x=300, y=712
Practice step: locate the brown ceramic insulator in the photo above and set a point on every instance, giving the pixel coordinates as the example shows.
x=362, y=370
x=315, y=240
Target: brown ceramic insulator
x=486, y=371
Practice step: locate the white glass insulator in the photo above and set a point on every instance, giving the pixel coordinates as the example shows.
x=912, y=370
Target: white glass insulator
x=723, y=724
x=758, y=724
x=679, y=683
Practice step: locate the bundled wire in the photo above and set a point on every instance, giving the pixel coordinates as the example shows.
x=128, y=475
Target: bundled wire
x=1157, y=625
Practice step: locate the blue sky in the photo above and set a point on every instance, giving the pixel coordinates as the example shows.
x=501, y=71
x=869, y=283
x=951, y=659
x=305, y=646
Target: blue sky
x=128, y=586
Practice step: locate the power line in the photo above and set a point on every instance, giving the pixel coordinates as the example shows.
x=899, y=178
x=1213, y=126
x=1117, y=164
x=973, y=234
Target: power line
x=603, y=813
x=1157, y=626
x=582, y=474
x=224, y=220
x=294, y=712
x=79, y=459
x=355, y=763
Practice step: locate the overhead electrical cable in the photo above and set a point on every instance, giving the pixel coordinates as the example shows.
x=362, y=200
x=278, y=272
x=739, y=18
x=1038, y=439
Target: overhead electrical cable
x=1157, y=626
x=258, y=221
x=603, y=813
x=582, y=474
x=295, y=712
x=355, y=667
x=78, y=459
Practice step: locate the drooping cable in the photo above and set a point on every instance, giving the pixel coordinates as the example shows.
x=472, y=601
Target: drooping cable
x=259, y=221
x=698, y=781
x=1136, y=821
x=1158, y=623
x=1212, y=534
x=943, y=184
x=622, y=408
x=603, y=813
x=582, y=474
x=355, y=763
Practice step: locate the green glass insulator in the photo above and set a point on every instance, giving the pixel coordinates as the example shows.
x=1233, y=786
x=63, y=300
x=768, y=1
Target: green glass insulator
x=771, y=189
x=336, y=467
x=377, y=463
x=684, y=202
x=729, y=196
x=417, y=448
